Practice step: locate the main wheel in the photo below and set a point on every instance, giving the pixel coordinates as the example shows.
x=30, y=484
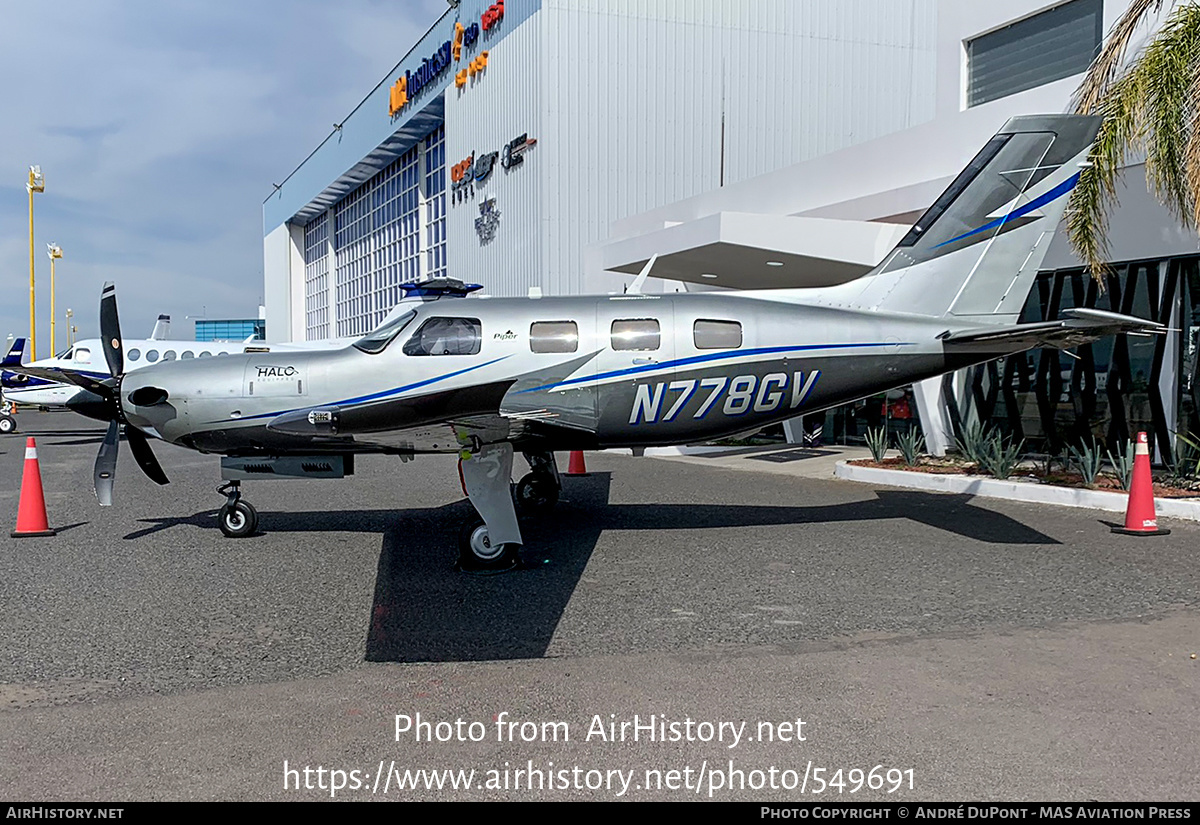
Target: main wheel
x=477, y=553
x=238, y=520
x=537, y=492
x=8, y=424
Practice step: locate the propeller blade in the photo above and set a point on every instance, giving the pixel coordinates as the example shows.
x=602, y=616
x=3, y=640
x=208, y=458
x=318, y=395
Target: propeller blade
x=144, y=455
x=110, y=330
x=106, y=464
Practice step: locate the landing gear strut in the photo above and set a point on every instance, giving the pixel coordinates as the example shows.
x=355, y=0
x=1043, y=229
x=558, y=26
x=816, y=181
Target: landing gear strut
x=237, y=518
x=489, y=542
x=538, y=490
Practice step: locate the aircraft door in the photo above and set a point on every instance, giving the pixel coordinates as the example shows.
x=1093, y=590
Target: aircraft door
x=634, y=366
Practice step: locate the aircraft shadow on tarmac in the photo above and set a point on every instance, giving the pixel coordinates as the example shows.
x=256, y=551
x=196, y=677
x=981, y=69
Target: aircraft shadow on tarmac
x=424, y=610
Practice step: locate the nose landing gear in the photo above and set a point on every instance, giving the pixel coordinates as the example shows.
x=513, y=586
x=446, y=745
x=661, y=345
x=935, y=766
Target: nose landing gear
x=236, y=518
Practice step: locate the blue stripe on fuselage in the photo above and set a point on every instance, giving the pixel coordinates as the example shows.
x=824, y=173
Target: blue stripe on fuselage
x=700, y=359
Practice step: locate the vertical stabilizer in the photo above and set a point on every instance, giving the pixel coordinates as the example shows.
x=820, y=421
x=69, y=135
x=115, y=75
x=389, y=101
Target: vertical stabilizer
x=975, y=252
x=162, y=328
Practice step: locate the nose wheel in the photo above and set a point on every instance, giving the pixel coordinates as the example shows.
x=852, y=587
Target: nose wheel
x=477, y=553
x=236, y=518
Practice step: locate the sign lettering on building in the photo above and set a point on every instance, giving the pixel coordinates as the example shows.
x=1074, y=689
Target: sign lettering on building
x=409, y=85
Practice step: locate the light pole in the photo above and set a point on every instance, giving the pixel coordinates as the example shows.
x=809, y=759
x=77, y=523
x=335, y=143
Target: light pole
x=70, y=329
x=55, y=252
x=36, y=183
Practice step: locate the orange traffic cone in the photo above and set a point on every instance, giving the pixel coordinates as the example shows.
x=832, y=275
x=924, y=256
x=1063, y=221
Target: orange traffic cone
x=31, y=512
x=1140, y=519
x=576, y=467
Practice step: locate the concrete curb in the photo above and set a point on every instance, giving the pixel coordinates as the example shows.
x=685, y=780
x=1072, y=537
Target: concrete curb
x=1013, y=490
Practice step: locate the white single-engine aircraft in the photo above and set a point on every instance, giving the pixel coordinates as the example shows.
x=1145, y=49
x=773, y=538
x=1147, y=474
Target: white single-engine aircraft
x=484, y=377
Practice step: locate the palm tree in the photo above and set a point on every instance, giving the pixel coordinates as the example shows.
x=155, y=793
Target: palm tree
x=1150, y=107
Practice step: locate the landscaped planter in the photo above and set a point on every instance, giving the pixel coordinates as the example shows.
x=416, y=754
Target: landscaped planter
x=1014, y=489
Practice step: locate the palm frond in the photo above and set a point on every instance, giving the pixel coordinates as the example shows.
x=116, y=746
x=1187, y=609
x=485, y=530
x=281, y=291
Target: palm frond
x=1108, y=62
x=1151, y=107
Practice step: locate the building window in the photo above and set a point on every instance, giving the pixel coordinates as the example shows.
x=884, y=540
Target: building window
x=388, y=231
x=316, y=278
x=1054, y=44
x=435, y=194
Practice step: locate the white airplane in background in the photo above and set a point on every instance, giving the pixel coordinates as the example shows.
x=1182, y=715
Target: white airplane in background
x=85, y=358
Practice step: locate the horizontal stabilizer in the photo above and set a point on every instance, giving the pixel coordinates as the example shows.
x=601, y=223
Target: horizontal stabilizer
x=1077, y=326
x=13, y=358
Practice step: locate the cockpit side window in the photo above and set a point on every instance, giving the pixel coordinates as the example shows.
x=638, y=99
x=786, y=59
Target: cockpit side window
x=82, y=355
x=446, y=336
x=377, y=341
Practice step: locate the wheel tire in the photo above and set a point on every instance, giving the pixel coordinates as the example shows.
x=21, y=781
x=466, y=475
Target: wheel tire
x=238, y=520
x=8, y=424
x=536, y=493
x=476, y=553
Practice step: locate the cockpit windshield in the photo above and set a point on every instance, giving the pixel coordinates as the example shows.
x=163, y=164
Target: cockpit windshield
x=378, y=340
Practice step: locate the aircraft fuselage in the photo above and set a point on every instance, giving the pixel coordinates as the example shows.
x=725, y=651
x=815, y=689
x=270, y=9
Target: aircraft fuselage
x=566, y=373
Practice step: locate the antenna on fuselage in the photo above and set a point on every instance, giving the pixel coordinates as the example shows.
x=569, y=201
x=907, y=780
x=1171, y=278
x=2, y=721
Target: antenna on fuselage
x=636, y=287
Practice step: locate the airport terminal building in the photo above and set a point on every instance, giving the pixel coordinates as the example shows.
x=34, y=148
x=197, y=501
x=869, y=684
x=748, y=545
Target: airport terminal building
x=556, y=146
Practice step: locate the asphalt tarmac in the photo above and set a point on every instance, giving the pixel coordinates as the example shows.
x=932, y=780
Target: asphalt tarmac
x=976, y=650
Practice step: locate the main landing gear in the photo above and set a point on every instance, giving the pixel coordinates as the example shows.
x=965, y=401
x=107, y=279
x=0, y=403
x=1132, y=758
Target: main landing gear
x=538, y=490
x=237, y=518
x=489, y=542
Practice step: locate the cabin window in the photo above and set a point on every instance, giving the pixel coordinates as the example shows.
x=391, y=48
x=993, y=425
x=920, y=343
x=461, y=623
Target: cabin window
x=717, y=334
x=446, y=336
x=152, y=356
x=169, y=355
x=221, y=353
x=205, y=354
x=82, y=355
x=636, y=334
x=187, y=353
x=553, y=336
x=135, y=354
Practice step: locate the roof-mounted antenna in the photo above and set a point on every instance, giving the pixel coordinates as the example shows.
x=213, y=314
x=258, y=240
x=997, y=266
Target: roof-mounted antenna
x=636, y=287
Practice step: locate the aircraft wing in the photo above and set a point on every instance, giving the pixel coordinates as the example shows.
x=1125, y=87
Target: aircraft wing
x=62, y=376
x=1077, y=326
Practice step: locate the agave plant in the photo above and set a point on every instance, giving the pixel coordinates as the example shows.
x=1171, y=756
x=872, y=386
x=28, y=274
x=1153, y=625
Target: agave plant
x=972, y=442
x=1122, y=464
x=1087, y=458
x=911, y=445
x=1001, y=455
x=877, y=442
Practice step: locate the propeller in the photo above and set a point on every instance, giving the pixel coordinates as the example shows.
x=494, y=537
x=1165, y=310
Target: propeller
x=110, y=390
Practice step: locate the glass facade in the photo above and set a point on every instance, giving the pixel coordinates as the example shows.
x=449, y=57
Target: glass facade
x=316, y=278
x=1105, y=392
x=1111, y=389
x=389, y=230
x=231, y=330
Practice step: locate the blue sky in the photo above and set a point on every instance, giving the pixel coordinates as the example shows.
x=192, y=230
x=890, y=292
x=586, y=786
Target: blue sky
x=160, y=127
